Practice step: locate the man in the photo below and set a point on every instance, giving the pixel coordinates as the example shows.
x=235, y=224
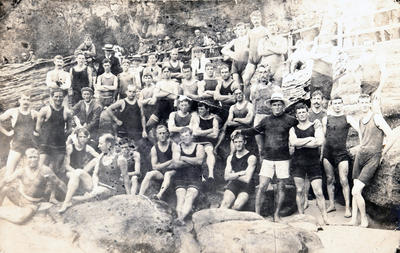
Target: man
x=206, y=87
x=317, y=112
x=107, y=85
x=272, y=49
x=126, y=78
x=23, y=121
x=136, y=69
x=87, y=47
x=275, y=128
x=58, y=78
x=153, y=68
x=336, y=127
x=239, y=170
x=241, y=115
x=166, y=92
x=224, y=92
x=51, y=128
x=161, y=160
x=26, y=188
x=373, y=128
x=306, y=138
x=87, y=112
x=180, y=119
x=188, y=158
x=115, y=67
x=81, y=77
x=147, y=98
x=133, y=159
x=206, y=129
x=129, y=116
x=254, y=36
x=240, y=54
x=189, y=84
x=79, y=160
x=175, y=65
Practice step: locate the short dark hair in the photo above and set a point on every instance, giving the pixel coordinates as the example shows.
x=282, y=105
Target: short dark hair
x=83, y=130
x=209, y=64
x=316, y=93
x=106, y=61
x=300, y=106
x=159, y=126
x=337, y=97
x=203, y=104
x=185, y=130
x=187, y=66
x=55, y=90
x=165, y=67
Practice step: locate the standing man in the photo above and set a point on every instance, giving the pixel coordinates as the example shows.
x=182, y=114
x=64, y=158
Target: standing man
x=336, y=127
x=114, y=62
x=58, y=78
x=188, y=158
x=239, y=170
x=175, y=65
x=180, y=119
x=23, y=121
x=306, y=138
x=208, y=85
x=81, y=77
x=373, y=128
x=224, y=92
x=51, y=127
x=107, y=85
x=275, y=128
x=129, y=116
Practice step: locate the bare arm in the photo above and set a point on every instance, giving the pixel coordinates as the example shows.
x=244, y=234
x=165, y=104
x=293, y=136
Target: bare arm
x=198, y=160
x=297, y=142
x=95, y=176
x=215, y=129
x=251, y=166
x=49, y=82
x=229, y=174
x=154, y=161
x=123, y=166
x=224, y=98
x=136, y=157
x=6, y=116
x=111, y=108
x=248, y=120
x=319, y=136
x=202, y=92
x=67, y=159
x=41, y=118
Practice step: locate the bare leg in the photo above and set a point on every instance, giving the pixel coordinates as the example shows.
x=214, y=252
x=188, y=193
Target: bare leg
x=330, y=178
x=191, y=195
x=72, y=186
x=306, y=191
x=317, y=188
x=180, y=200
x=281, y=198
x=299, y=182
x=343, y=172
x=247, y=75
x=240, y=201
x=260, y=195
x=357, y=193
x=134, y=185
x=16, y=214
x=166, y=183
x=147, y=179
x=209, y=150
x=228, y=199
x=12, y=161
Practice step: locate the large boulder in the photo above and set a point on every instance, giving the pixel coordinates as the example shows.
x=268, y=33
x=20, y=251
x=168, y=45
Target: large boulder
x=119, y=224
x=233, y=231
x=384, y=189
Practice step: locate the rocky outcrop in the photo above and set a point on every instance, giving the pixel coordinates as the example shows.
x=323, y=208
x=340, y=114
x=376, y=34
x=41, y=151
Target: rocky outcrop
x=124, y=224
x=232, y=231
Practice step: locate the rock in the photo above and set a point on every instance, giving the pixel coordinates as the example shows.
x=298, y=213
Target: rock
x=384, y=189
x=211, y=216
x=255, y=236
x=121, y=223
x=303, y=221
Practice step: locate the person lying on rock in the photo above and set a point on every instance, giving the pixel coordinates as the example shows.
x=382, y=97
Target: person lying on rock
x=188, y=158
x=26, y=188
x=161, y=161
x=239, y=170
x=110, y=176
x=79, y=161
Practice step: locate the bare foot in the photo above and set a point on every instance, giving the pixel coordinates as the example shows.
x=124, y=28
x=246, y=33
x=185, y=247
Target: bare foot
x=64, y=207
x=364, y=223
x=353, y=222
x=347, y=213
x=331, y=208
x=53, y=200
x=305, y=204
x=277, y=218
x=326, y=220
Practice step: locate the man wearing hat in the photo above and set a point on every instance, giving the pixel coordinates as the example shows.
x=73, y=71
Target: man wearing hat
x=275, y=128
x=87, y=112
x=115, y=64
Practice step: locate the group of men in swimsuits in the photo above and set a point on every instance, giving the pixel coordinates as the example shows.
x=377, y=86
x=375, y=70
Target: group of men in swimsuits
x=94, y=134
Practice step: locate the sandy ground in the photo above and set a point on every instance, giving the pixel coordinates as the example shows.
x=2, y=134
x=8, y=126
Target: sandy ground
x=338, y=238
